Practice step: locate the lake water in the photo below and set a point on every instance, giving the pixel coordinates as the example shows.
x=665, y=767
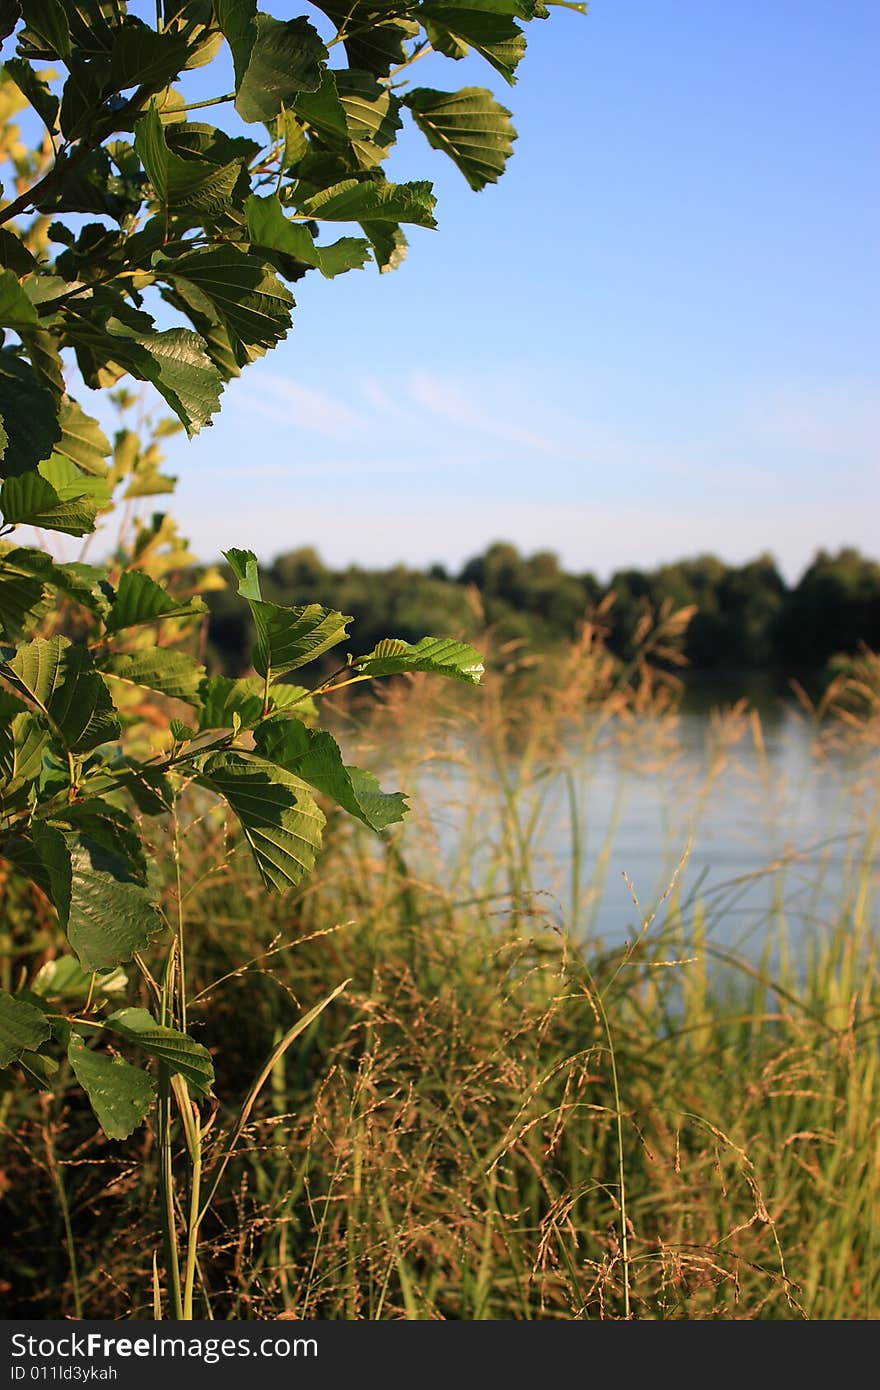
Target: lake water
x=756, y=824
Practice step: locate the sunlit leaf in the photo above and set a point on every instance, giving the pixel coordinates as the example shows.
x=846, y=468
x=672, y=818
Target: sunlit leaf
x=60, y=679
x=287, y=637
x=439, y=656
x=278, y=815
x=314, y=755
x=181, y=1055
x=470, y=126
x=120, y=1095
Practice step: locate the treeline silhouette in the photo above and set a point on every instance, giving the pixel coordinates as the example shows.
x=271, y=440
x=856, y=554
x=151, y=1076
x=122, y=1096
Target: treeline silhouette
x=747, y=618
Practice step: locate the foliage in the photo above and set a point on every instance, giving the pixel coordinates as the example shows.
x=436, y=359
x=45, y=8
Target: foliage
x=746, y=618
x=142, y=243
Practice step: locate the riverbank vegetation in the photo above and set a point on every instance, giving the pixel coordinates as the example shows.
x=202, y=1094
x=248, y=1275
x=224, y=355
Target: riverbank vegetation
x=745, y=618
x=497, y=1119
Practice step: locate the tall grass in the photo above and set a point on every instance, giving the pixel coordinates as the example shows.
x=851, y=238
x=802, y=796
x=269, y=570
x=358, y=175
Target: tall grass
x=502, y=1117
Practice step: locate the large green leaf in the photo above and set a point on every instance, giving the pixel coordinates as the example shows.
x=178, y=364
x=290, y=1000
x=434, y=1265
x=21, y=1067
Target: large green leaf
x=175, y=361
x=32, y=86
x=439, y=656
x=22, y=1028
x=171, y=673
x=177, y=1050
x=470, y=126
x=487, y=27
x=179, y=367
x=57, y=496
x=120, y=1095
x=373, y=202
x=245, y=296
x=373, y=32
x=22, y=757
x=60, y=679
x=139, y=599
x=278, y=814
x=110, y=915
x=287, y=637
x=140, y=56
x=372, y=115
x=268, y=227
x=16, y=310
x=29, y=415
x=47, y=32
x=22, y=600
x=82, y=439
x=196, y=184
x=64, y=978
x=77, y=581
x=314, y=755
x=274, y=59
x=110, y=829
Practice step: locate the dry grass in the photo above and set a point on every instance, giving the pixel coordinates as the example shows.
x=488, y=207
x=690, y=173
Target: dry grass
x=493, y=1122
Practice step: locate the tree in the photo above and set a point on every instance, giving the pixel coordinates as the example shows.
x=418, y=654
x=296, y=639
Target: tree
x=144, y=241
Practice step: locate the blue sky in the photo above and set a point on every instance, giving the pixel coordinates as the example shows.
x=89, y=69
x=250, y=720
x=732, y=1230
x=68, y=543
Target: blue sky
x=655, y=336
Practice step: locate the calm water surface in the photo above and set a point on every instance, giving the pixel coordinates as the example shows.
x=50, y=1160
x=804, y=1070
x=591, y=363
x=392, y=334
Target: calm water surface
x=755, y=826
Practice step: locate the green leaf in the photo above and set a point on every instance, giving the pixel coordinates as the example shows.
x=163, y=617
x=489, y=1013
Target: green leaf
x=314, y=755
x=373, y=42
x=279, y=817
x=60, y=679
x=488, y=28
x=22, y=762
x=178, y=366
x=32, y=86
x=10, y=14
x=222, y=697
x=274, y=59
x=373, y=202
x=16, y=310
x=439, y=656
x=389, y=245
x=287, y=638
x=110, y=829
x=198, y=184
x=42, y=348
x=77, y=581
x=470, y=126
x=22, y=1028
x=64, y=978
x=323, y=110
x=139, y=599
x=245, y=296
x=180, y=1054
x=14, y=255
x=142, y=57
x=372, y=115
x=267, y=226
x=120, y=1095
x=47, y=31
x=82, y=439
x=57, y=496
x=169, y=672
x=110, y=916
x=29, y=414
x=22, y=600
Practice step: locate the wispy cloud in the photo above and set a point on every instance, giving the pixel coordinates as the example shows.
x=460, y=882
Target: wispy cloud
x=300, y=407
x=836, y=420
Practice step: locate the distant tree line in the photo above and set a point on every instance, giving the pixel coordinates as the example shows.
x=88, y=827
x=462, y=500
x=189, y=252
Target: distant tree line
x=747, y=618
